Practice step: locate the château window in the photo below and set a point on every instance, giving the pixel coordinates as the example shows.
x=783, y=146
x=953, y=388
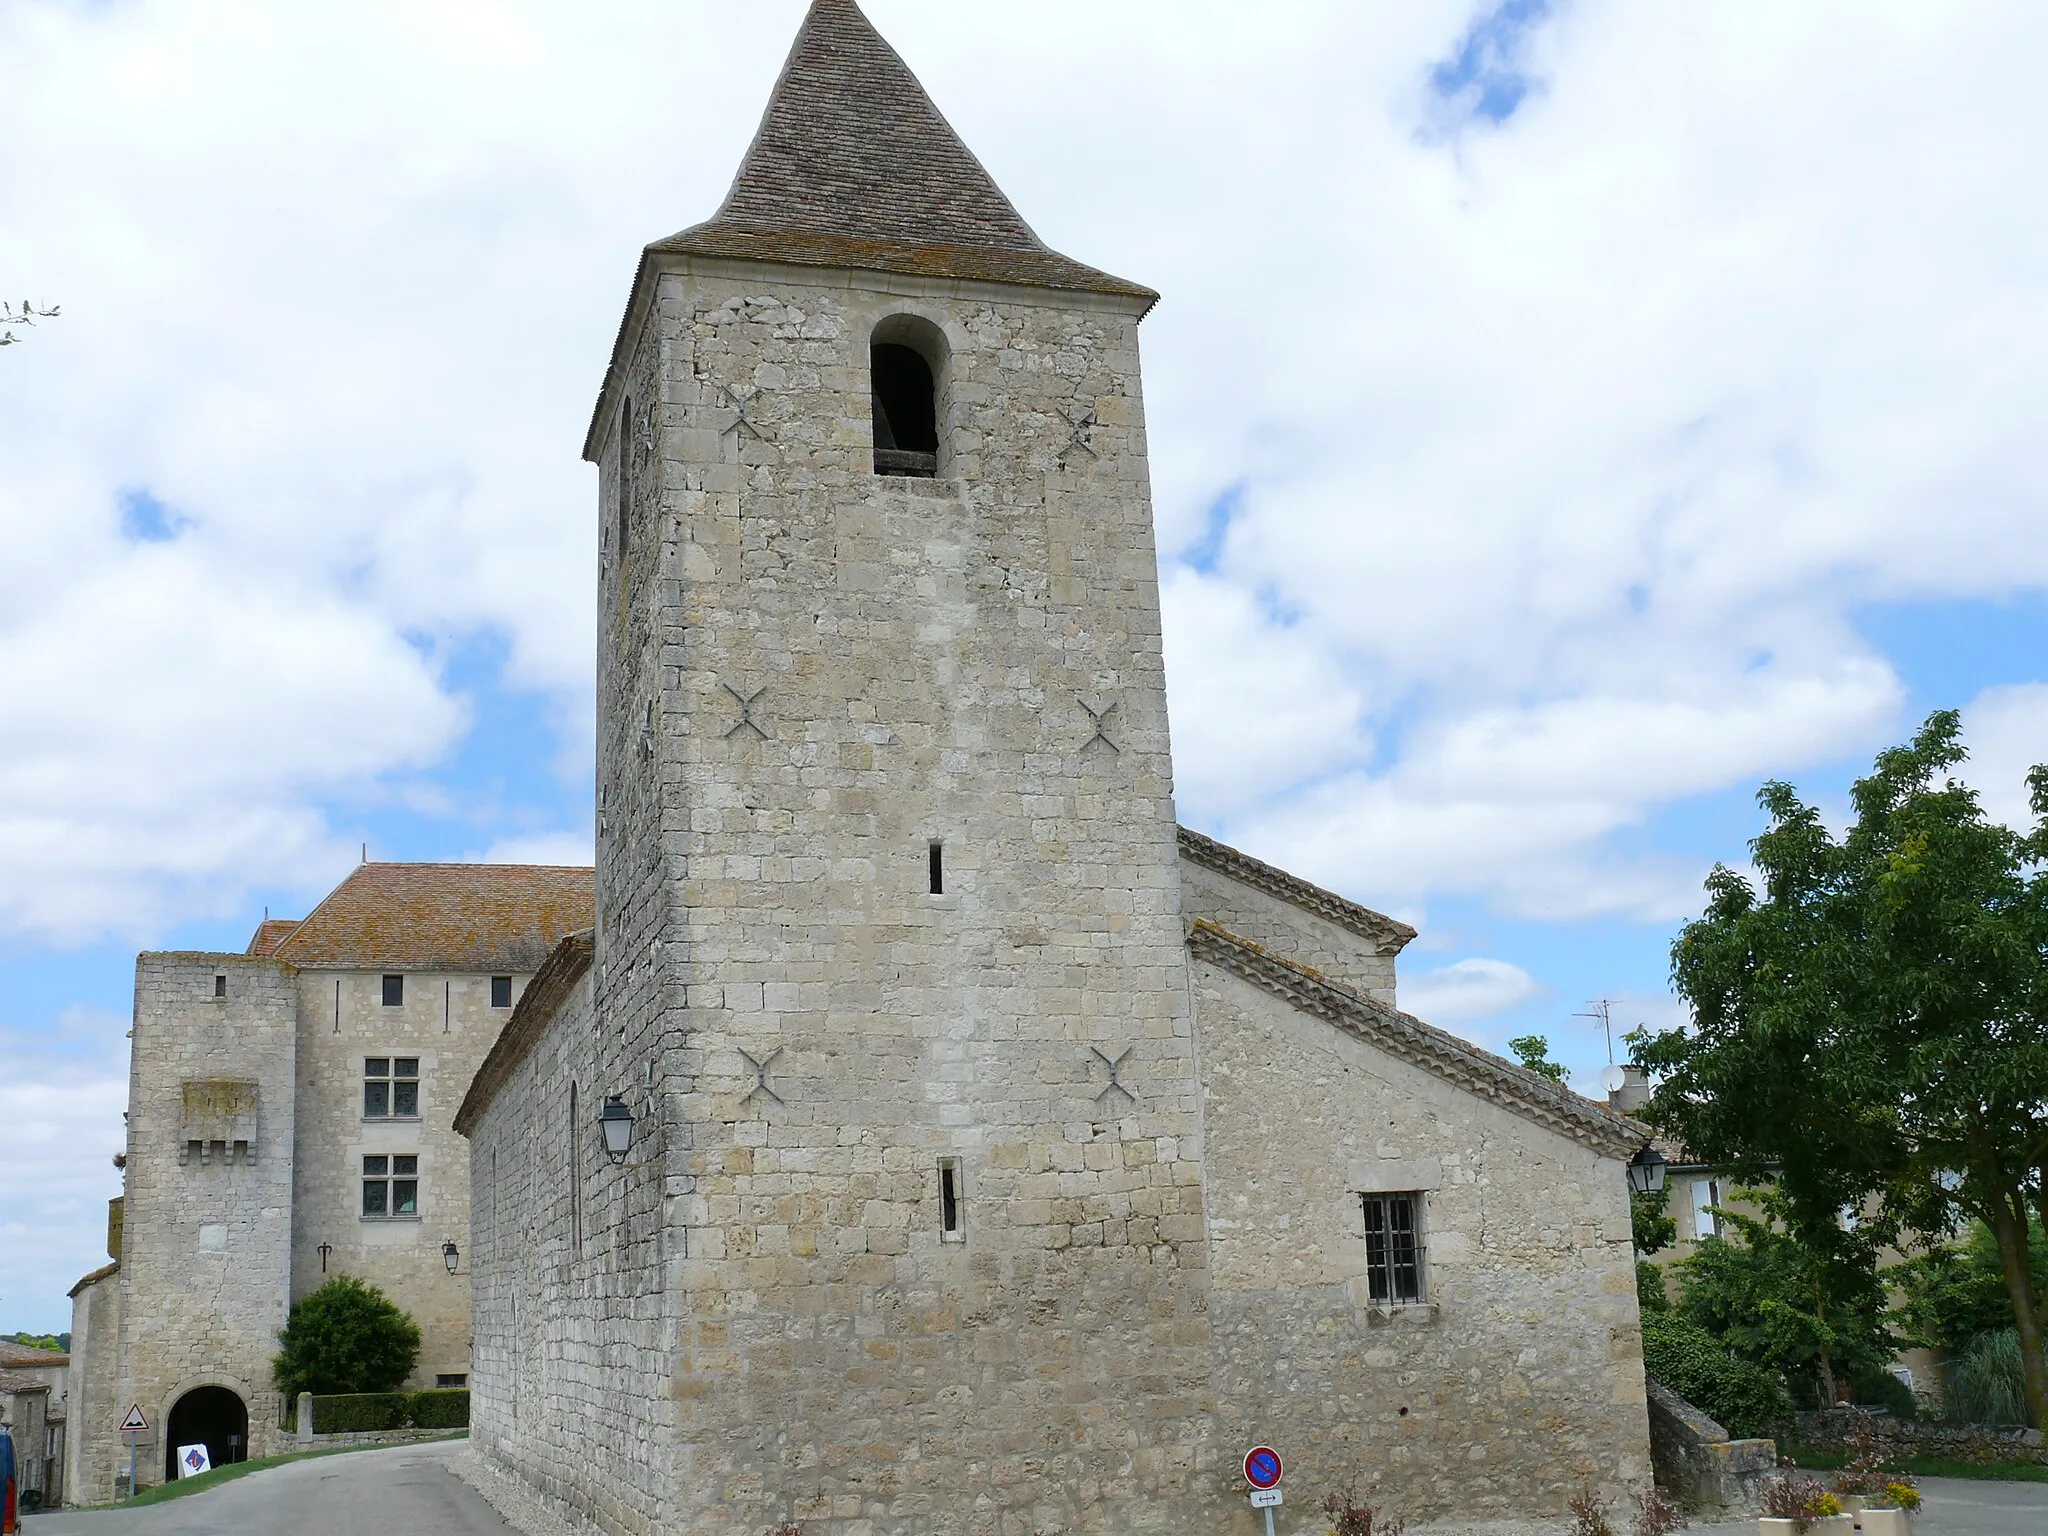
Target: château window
x=391, y=1185
x=220, y=986
x=394, y=991
x=1393, y=1248
x=501, y=991
x=905, y=358
x=391, y=1088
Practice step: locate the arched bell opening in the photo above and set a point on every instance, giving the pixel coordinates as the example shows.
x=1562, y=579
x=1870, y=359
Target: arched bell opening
x=215, y=1417
x=906, y=359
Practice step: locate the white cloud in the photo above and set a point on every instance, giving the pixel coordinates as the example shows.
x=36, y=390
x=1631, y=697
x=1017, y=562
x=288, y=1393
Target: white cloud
x=1466, y=991
x=2006, y=730
x=558, y=848
x=60, y=1125
x=1563, y=448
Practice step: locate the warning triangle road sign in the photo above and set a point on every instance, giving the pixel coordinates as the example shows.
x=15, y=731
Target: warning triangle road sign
x=135, y=1423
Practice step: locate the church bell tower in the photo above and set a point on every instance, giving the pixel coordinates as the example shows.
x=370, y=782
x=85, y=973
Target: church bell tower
x=888, y=890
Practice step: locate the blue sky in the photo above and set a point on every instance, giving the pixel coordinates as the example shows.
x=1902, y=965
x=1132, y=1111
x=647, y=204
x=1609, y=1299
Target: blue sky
x=1564, y=416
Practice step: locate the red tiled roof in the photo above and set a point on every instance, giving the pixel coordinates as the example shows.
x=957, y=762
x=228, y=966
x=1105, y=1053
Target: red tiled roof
x=443, y=917
x=11, y=1381
x=270, y=933
x=15, y=1357
x=854, y=166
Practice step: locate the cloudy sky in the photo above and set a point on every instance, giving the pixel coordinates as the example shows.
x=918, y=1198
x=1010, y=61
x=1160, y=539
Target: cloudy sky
x=1565, y=415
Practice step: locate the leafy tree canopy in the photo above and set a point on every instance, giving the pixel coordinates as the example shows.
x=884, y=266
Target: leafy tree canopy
x=1651, y=1223
x=1533, y=1052
x=348, y=1336
x=1954, y=1293
x=1871, y=1017
x=60, y=1342
x=1811, y=1314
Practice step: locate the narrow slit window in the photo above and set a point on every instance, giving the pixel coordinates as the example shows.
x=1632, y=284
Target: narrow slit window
x=938, y=868
x=220, y=986
x=625, y=477
x=951, y=1225
x=906, y=411
x=575, y=1175
x=1393, y=1248
x=501, y=991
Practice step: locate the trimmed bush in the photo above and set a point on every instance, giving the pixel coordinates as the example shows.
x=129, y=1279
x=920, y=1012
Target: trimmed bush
x=363, y=1413
x=348, y=1337
x=440, y=1408
x=1746, y=1399
x=357, y=1413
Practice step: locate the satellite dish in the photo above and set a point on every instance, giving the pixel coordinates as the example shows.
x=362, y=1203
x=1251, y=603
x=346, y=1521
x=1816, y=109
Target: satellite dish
x=1611, y=1078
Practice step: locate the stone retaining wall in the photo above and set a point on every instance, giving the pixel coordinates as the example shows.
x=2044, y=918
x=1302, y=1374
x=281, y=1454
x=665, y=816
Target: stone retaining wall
x=1979, y=1444
x=1698, y=1464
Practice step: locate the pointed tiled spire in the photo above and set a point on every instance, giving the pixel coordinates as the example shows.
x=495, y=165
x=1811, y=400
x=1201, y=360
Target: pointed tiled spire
x=853, y=166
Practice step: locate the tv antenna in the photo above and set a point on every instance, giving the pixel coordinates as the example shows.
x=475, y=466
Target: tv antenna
x=1601, y=1008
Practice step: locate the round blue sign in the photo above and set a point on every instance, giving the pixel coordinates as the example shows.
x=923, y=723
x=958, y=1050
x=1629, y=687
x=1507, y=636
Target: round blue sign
x=1262, y=1467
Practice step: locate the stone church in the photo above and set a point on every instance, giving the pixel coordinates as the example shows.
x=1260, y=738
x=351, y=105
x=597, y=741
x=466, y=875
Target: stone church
x=931, y=1136
x=291, y=1117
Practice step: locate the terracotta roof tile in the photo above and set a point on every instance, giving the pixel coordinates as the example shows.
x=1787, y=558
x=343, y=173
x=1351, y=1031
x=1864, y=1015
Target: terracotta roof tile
x=443, y=917
x=16, y=1357
x=11, y=1381
x=854, y=166
x=94, y=1278
x=270, y=933
x=1408, y=1038
x=1388, y=933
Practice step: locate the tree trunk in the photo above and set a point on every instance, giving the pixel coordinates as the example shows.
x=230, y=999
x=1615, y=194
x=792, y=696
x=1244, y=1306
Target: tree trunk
x=1827, y=1380
x=2009, y=1227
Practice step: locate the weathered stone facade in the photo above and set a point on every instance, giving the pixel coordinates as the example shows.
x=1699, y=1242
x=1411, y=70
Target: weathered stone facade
x=968, y=1190
x=248, y=1130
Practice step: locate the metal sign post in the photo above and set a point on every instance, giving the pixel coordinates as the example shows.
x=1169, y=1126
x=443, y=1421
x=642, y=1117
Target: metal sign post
x=133, y=1428
x=1262, y=1469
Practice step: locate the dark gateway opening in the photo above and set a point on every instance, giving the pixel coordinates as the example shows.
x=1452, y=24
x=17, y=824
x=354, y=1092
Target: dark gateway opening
x=211, y=1416
x=906, y=413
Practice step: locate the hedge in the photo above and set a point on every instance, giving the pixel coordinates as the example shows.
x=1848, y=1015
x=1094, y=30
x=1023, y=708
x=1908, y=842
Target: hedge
x=357, y=1413
x=1746, y=1399
x=441, y=1408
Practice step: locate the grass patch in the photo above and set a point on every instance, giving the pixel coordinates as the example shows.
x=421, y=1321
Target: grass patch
x=219, y=1475
x=1930, y=1466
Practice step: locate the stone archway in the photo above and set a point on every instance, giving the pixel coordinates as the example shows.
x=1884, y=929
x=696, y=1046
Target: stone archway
x=215, y=1417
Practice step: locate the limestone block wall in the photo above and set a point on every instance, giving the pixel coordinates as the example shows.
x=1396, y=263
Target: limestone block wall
x=206, y=1253
x=92, y=1451
x=1517, y=1384
x=1289, y=931
x=574, y=1387
x=921, y=662
x=446, y=1023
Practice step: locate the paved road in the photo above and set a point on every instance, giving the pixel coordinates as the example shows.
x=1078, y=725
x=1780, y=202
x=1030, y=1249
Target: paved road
x=1955, y=1507
x=407, y=1490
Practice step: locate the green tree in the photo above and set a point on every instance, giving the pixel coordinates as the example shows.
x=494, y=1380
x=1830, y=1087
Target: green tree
x=1871, y=1017
x=1533, y=1052
x=1954, y=1293
x=348, y=1336
x=1810, y=1312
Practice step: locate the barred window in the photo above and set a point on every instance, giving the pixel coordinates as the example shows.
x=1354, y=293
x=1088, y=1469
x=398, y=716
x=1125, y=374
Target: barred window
x=1393, y=1248
x=391, y=1088
x=391, y=1185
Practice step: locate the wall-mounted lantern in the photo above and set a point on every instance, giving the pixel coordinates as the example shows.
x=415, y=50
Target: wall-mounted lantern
x=617, y=1124
x=451, y=1255
x=1646, y=1171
